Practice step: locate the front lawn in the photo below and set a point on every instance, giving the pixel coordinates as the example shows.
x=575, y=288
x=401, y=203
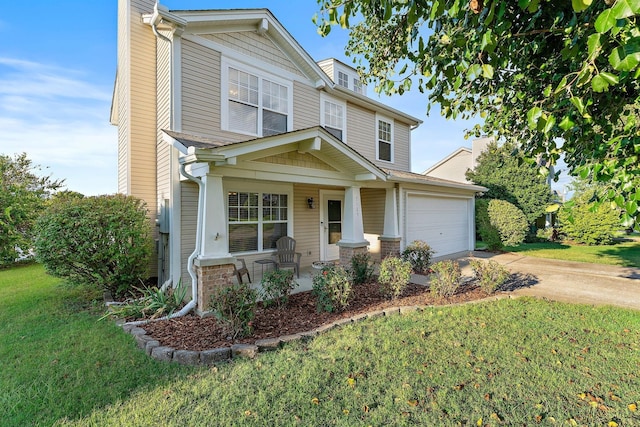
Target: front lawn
x=626, y=254
x=507, y=362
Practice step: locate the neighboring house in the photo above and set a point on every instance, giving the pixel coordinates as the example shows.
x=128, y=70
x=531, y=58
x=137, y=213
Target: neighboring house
x=455, y=166
x=235, y=137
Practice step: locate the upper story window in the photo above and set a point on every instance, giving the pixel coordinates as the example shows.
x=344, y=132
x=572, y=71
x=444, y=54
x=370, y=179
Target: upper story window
x=384, y=147
x=343, y=79
x=255, y=104
x=333, y=116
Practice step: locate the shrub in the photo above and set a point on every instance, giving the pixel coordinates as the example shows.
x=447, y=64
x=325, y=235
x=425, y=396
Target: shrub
x=361, y=269
x=332, y=288
x=500, y=223
x=445, y=279
x=235, y=307
x=509, y=220
x=488, y=233
x=490, y=275
x=419, y=254
x=589, y=224
x=103, y=240
x=276, y=287
x=153, y=304
x=394, y=277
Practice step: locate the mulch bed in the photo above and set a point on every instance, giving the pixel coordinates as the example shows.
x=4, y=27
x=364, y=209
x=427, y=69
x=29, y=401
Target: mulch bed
x=193, y=332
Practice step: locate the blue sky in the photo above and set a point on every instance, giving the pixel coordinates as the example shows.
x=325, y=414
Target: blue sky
x=57, y=68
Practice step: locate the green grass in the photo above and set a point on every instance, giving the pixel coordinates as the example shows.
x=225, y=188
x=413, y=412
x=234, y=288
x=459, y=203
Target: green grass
x=507, y=362
x=626, y=254
x=57, y=360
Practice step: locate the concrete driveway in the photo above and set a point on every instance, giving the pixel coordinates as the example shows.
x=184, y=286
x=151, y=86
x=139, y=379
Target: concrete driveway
x=570, y=281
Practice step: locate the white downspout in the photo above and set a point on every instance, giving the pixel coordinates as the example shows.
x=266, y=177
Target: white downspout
x=194, y=278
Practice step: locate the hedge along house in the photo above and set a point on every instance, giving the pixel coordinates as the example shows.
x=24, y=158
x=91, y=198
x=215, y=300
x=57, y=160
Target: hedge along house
x=235, y=137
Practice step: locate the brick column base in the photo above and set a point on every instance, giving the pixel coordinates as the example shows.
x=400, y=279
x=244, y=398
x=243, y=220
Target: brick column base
x=346, y=253
x=389, y=246
x=210, y=278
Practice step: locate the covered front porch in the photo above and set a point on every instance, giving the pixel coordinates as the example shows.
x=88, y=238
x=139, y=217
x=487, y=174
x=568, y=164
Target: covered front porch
x=305, y=184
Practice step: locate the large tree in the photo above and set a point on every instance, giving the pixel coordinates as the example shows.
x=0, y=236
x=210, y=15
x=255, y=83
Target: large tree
x=23, y=195
x=555, y=76
x=498, y=169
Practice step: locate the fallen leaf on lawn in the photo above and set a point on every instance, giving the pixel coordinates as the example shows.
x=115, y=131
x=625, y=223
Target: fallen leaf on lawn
x=612, y=424
x=412, y=402
x=345, y=411
x=315, y=401
x=632, y=407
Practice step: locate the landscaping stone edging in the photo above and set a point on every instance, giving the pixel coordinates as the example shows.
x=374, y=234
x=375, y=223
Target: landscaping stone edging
x=216, y=355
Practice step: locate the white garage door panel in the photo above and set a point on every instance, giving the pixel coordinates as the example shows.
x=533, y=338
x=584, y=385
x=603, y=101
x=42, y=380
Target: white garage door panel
x=442, y=222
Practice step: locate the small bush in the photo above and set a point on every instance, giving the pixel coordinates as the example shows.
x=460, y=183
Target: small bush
x=361, y=269
x=419, y=254
x=589, y=224
x=490, y=275
x=332, y=288
x=104, y=241
x=153, y=304
x=394, y=277
x=445, y=280
x=509, y=220
x=277, y=286
x=235, y=307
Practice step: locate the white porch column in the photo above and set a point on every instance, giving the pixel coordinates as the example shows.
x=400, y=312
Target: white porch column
x=214, y=243
x=390, y=239
x=352, y=227
x=391, y=229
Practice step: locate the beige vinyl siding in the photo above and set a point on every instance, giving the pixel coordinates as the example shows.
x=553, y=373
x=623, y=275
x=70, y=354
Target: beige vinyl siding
x=254, y=45
x=123, y=98
x=189, y=209
x=306, y=106
x=327, y=67
x=401, y=147
x=306, y=223
x=361, y=131
x=164, y=118
x=373, y=200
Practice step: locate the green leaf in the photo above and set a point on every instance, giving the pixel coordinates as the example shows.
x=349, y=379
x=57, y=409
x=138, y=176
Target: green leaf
x=549, y=123
x=474, y=72
x=566, y=123
x=577, y=102
x=580, y=5
x=625, y=8
x=593, y=42
x=631, y=207
x=533, y=115
x=605, y=21
x=602, y=81
x=487, y=71
x=625, y=58
x=533, y=6
x=560, y=86
x=523, y=4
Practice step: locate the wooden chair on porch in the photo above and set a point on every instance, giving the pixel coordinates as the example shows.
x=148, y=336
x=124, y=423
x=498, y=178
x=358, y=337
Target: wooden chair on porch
x=242, y=270
x=286, y=255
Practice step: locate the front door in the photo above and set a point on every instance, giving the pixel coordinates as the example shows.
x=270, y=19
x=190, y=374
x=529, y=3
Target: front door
x=331, y=224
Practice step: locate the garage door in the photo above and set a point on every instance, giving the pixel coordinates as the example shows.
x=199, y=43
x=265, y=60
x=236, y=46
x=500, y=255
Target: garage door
x=442, y=222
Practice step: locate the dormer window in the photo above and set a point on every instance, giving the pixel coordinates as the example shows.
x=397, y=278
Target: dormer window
x=357, y=86
x=343, y=79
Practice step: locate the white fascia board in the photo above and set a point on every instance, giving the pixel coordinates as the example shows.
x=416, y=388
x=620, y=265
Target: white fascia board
x=444, y=184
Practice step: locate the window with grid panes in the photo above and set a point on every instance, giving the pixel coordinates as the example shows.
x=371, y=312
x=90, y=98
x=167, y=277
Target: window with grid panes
x=256, y=220
x=385, y=142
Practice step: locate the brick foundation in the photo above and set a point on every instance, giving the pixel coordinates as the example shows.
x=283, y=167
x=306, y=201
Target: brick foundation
x=210, y=278
x=389, y=247
x=346, y=253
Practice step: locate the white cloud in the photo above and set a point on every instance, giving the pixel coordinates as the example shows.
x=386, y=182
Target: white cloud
x=61, y=121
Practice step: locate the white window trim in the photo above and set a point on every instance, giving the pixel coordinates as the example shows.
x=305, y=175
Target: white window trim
x=324, y=97
x=227, y=63
x=388, y=120
x=260, y=188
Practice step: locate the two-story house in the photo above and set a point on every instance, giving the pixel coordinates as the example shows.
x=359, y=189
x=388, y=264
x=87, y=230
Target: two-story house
x=235, y=136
